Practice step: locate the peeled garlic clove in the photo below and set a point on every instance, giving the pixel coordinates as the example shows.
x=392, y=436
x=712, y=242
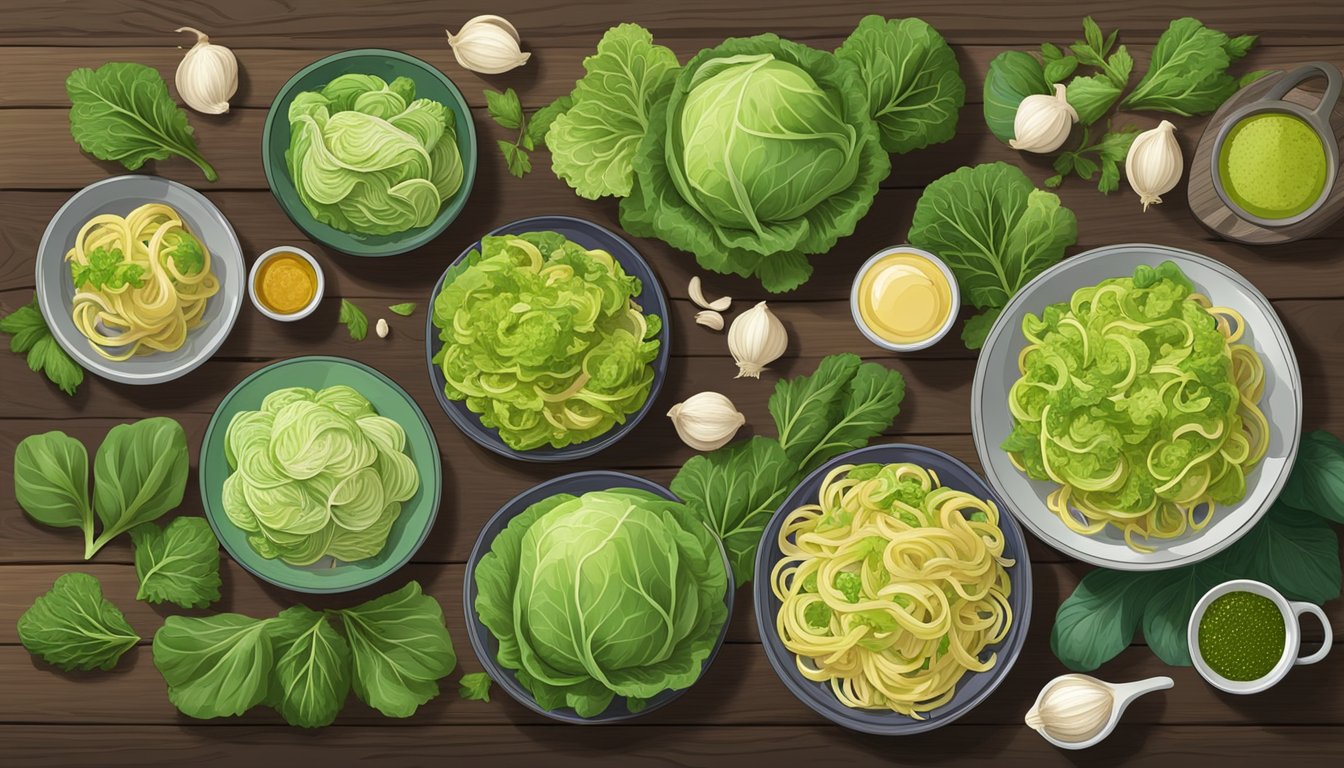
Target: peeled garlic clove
x=488, y=44
x=698, y=297
x=710, y=319
x=756, y=339
x=207, y=76
x=706, y=421
x=1043, y=122
x=381, y=328
x=1072, y=708
x=1154, y=163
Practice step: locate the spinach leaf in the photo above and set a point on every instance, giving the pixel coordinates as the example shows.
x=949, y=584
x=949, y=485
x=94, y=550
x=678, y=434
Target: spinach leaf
x=1098, y=620
x=474, y=687
x=1317, y=481
x=178, y=563
x=1012, y=77
x=1293, y=551
x=841, y=406
x=734, y=490
x=51, y=481
x=139, y=473
x=913, y=81
x=311, y=678
x=122, y=111
x=215, y=666
x=74, y=627
x=1188, y=72
x=401, y=649
x=30, y=336
x=1167, y=611
x=354, y=320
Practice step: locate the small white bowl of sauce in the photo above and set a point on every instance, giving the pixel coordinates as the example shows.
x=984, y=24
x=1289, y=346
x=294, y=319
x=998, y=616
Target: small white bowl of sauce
x=286, y=284
x=904, y=299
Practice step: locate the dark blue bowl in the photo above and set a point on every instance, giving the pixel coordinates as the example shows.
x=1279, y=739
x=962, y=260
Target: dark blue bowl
x=487, y=648
x=974, y=687
x=650, y=298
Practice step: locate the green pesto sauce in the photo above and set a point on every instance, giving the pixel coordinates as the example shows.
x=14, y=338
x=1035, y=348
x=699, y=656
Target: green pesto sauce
x=1242, y=635
x=1273, y=165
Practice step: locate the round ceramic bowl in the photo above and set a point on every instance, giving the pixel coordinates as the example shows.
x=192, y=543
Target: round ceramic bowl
x=317, y=295
x=486, y=647
x=412, y=526
x=997, y=371
x=650, y=298
x=430, y=83
x=121, y=195
x=974, y=687
x=953, y=309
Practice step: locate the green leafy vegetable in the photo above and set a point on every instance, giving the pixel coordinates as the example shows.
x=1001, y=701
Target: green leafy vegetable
x=122, y=111
x=74, y=627
x=107, y=270
x=30, y=336
x=613, y=593
x=51, y=481
x=215, y=666
x=400, y=648
x=316, y=473
x=405, y=309
x=1092, y=97
x=354, y=320
x=311, y=678
x=1058, y=65
x=544, y=118
x=1012, y=77
x=474, y=687
x=1107, y=156
x=178, y=563
x=543, y=339
x=1188, y=72
x=1099, y=619
x=994, y=229
x=763, y=153
x=914, y=84
x=507, y=111
x=367, y=157
x=594, y=141
x=1317, y=484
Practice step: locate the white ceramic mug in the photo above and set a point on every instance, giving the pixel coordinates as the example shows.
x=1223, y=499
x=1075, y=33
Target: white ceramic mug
x=1292, y=636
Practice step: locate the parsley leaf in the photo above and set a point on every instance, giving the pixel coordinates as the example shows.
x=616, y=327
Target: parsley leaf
x=1106, y=156
x=354, y=320
x=505, y=108
x=107, y=269
x=186, y=251
x=405, y=309
x=507, y=111
x=29, y=335
x=519, y=164
x=474, y=687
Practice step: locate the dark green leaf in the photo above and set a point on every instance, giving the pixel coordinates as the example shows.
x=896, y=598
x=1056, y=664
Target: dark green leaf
x=1050, y=52
x=139, y=475
x=1057, y=70
x=1098, y=620
x=841, y=406
x=1092, y=97
x=1012, y=76
x=474, y=687
x=178, y=563
x=51, y=481
x=1167, y=612
x=541, y=120
x=1188, y=72
x=74, y=627
x=1292, y=551
x=1317, y=480
x=215, y=666
x=311, y=678
x=354, y=320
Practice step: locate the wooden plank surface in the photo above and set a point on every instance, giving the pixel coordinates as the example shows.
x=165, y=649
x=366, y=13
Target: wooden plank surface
x=739, y=711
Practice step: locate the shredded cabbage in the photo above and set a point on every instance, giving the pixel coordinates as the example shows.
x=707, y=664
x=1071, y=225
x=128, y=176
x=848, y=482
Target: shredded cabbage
x=1135, y=398
x=542, y=338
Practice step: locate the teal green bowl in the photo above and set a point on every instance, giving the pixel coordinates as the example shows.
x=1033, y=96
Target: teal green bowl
x=417, y=515
x=430, y=83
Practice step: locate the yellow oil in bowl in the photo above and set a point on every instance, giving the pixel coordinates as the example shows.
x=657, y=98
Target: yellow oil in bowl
x=904, y=298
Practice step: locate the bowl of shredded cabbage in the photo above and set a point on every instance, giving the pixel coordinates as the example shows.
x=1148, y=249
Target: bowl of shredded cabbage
x=1138, y=406
x=371, y=152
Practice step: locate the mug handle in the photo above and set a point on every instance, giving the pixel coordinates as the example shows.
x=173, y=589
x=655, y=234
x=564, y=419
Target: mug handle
x=1315, y=610
x=1307, y=72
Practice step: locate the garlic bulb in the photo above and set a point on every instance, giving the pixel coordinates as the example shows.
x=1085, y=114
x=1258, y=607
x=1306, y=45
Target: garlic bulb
x=1072, y=709
x=207, y=76
x=1043, y=122
x=488, y=44
x=1154, y=163
x=706, y=421
x=756, y=339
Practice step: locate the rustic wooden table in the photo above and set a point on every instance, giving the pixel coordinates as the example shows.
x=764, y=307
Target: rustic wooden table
x=739, y=711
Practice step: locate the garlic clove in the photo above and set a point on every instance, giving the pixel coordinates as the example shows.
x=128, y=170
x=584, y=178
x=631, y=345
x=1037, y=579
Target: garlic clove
x=697, y=295
x=710, y=319
x=1043, y=122
x=1077, y=711
x=207, y=76
x=756, y=338
x=381, y=328
x=706, y=421
x=488, y=44
x=1154, y=163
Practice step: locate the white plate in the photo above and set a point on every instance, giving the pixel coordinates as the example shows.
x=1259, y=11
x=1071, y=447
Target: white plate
x=997, y=371
x=121, y=195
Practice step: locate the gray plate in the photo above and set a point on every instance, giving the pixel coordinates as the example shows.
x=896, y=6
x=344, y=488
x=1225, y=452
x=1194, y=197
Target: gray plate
x=997, y=371
x=121, y=195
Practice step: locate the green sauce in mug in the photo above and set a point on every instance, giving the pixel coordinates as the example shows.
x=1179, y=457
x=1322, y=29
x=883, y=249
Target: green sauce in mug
x=1241, y=636
x=1273, y=165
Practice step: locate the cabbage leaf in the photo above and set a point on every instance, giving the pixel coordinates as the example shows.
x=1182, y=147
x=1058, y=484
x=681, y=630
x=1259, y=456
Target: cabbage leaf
x=74, y=627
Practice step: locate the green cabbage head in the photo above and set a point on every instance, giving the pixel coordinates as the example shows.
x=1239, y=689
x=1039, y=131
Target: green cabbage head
x=768, y=154
x=613, y=593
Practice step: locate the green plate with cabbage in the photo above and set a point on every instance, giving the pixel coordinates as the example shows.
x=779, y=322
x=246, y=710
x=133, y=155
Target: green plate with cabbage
x=370, y=152
x=320, y=474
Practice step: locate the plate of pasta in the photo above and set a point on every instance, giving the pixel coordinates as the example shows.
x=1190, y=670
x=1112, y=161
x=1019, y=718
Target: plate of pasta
x=1139, y=406
x=140, y=278
x=893, y=591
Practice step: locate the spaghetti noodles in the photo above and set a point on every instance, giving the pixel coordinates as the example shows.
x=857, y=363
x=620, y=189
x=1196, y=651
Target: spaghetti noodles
x=892, y=587
x=141, y=282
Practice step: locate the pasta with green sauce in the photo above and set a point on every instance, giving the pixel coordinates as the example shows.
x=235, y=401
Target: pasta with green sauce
x=1136, y=398
x=892, y=587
